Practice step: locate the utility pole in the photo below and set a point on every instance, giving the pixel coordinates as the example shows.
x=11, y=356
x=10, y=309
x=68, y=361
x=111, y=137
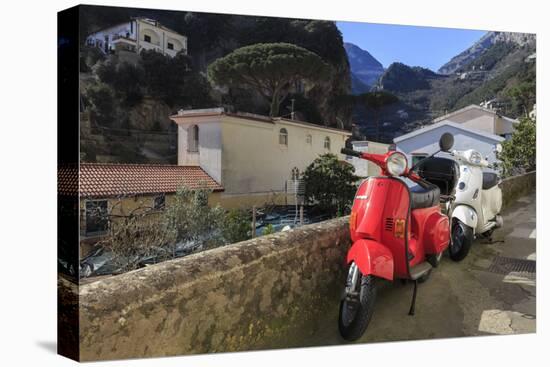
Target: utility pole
x=292, y=109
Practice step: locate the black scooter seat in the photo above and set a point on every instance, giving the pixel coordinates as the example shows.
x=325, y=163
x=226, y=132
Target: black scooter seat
x=490, y=179
x=424, y=197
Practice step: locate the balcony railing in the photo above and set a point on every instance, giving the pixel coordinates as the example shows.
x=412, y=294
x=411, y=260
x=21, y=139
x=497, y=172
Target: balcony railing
x=125, y=38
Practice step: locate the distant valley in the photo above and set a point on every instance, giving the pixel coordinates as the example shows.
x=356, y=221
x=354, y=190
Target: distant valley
x=488, y=71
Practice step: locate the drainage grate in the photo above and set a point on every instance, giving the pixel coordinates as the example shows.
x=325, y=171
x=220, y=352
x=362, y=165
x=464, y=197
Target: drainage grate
x=506, y=265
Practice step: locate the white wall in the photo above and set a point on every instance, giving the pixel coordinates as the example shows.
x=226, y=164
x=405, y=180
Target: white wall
x=210, y=148
x=160, y=37
x=255, y=162
x=428, y=142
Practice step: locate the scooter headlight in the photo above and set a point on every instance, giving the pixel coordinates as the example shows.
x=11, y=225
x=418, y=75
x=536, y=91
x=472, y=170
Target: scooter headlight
x=396, y=164
x=475, y=158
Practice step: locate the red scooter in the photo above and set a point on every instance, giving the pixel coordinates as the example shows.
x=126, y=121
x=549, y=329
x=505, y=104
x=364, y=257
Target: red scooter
x=398, y=232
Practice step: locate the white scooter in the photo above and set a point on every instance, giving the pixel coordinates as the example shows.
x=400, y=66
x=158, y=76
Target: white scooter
x=477, y=204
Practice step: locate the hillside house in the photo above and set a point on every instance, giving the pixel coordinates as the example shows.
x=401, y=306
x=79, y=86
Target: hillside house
x=118, y=189
x=483, y=119
x=136, y=35
x=253, y=157
x=425, y=141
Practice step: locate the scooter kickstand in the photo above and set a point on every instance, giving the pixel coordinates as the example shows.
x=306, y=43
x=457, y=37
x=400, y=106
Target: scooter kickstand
x=411, y=310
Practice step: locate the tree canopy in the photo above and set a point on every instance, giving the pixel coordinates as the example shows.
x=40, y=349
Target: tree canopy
x=271, y=69
x=376, y=101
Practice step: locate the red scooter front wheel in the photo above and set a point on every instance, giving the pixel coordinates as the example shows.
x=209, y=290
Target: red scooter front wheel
x=357, y=305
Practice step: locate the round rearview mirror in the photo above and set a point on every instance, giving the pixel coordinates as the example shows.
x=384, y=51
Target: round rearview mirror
x=446, y=142
x=498, y=148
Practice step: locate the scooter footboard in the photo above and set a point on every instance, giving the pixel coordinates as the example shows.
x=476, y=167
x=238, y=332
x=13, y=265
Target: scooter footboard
x=372, y=258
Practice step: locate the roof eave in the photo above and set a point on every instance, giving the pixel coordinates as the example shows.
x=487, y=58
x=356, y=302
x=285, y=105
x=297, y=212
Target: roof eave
x=446, y=123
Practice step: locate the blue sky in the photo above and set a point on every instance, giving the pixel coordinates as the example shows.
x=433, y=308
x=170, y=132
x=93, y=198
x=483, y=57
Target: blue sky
x=428, y=47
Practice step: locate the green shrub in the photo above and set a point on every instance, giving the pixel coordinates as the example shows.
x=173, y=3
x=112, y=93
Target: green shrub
x=236, y=226
x=268, y=230
x=330, y=184
x=519, y=154
x=192, y=219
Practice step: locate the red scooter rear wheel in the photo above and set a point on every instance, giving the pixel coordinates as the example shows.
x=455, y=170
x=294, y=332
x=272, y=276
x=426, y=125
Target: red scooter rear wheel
x=356, y=309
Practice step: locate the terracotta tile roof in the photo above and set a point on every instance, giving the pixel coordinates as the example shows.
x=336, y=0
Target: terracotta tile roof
x=113, y=179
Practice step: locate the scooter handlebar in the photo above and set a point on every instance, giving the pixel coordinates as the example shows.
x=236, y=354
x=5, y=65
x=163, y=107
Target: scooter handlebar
x=351, y=152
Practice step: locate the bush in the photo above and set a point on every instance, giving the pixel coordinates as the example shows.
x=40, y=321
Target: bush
x=268, y=230
x=330, y=184
x=126, y=79
x=166, y=77
x=192, y=219
x=236, y=226
x=519, y=154
x=188, y=218
x=135, y=237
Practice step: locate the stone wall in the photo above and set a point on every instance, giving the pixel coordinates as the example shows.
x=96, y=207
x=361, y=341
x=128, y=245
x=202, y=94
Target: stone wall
x=265, y=292
x=517, y=186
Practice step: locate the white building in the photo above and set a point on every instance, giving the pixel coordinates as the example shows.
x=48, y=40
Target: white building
x=138, y=34
x=253, y=157
x=364, y=168
x=425, y=141
x=480, y=118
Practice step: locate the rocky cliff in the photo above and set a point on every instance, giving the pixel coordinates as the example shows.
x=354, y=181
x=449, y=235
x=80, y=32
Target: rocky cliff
x=482, y=45
x=365, y=69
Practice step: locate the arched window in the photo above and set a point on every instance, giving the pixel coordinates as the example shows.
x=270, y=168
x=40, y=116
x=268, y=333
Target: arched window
x=308, y=139
x=327, y=143
x=193, y=138
x=283, y=137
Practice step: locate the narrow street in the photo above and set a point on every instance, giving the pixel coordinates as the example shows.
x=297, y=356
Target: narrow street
x=491, y=292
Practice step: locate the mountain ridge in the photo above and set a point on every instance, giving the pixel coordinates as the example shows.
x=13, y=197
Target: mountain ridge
x=365, y=68
x=482, y=45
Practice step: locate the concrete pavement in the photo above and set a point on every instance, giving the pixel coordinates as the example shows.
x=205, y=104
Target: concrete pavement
x=491, y=292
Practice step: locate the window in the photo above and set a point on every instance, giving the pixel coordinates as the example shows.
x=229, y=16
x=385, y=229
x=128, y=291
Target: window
x=327, y=143
x=159, y=202
x=96, y=216
x=170, y=46
x=418, y=157
x=283, y=137
x=308, y=139
x=193, y=139
x=147, y=38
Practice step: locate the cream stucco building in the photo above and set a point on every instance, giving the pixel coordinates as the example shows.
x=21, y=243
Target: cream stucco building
x=364, y=168
x=136, y=35
x=251, y=156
